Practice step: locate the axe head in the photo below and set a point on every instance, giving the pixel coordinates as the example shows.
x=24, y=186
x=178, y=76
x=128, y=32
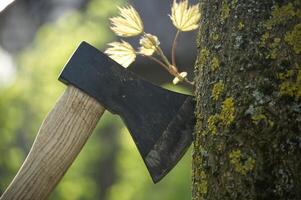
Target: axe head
x=160, y=121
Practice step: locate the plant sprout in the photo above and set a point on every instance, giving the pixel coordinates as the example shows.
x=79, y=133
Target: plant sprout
x=129, y=24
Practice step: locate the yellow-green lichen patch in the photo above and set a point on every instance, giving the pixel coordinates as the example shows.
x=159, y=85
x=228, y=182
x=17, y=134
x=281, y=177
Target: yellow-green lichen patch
x=215, y=36
x=214, y=64
x=264, y=39
x=242, y=164
x=203, y=187
x=291, y=83
x=274, y=48
x=228, y=112
x=280, y=15
x=293, y=38
x=257, y=118
x=224, y=118
x=272, y=44
x=225, y=12
x=212, y=123
x=200, y=178
x=203, y=57
x=217, y=90
x=233, y=4
x=241, y=25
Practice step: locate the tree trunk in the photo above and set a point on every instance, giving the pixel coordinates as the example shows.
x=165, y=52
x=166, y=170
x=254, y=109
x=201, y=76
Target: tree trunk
x=248, y=92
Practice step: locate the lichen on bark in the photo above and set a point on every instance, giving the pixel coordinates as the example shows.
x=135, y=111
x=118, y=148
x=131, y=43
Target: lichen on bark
x=248, y=92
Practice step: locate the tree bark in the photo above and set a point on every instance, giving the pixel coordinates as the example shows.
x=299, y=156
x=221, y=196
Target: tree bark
x=248, y=92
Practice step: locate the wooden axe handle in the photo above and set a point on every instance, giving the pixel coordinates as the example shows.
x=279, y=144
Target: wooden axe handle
x=60, y=138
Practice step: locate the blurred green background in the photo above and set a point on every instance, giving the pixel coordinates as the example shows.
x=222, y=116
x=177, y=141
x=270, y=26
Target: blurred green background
x=109, y=167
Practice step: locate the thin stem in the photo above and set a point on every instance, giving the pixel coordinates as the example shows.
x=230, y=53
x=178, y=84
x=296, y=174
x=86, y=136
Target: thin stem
x=172, y=69
x=173, y=73
x=188, y=81
x=162, y=64
x=158, y=61
x=162, y=55
x=173, y=50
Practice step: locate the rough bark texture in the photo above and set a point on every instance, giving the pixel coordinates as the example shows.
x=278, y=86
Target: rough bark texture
x=248, y=91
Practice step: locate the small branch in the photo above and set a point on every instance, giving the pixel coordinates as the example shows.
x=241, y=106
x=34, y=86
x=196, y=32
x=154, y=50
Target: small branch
x=173, y=73
x=158, y=61
x=173, y=50
x=161, y=63
x=162, y=55
x=188, y=81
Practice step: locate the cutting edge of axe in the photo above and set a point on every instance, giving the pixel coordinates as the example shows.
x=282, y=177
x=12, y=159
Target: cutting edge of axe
x=160, y=122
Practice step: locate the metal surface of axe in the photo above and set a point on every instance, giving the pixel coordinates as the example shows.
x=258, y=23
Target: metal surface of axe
x=160, y=122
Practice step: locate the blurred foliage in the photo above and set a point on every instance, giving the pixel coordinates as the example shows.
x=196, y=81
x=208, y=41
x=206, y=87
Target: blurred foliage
x=109, y=166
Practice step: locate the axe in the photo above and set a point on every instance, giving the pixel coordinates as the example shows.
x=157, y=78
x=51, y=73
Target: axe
x=160, y=122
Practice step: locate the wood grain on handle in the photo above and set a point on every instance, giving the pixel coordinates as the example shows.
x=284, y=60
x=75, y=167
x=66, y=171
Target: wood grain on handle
x=61, y=137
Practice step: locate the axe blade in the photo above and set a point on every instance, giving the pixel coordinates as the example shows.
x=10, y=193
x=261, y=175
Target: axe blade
x=160, y=121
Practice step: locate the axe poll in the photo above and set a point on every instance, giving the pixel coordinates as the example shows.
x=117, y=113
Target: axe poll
x=160, y=122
